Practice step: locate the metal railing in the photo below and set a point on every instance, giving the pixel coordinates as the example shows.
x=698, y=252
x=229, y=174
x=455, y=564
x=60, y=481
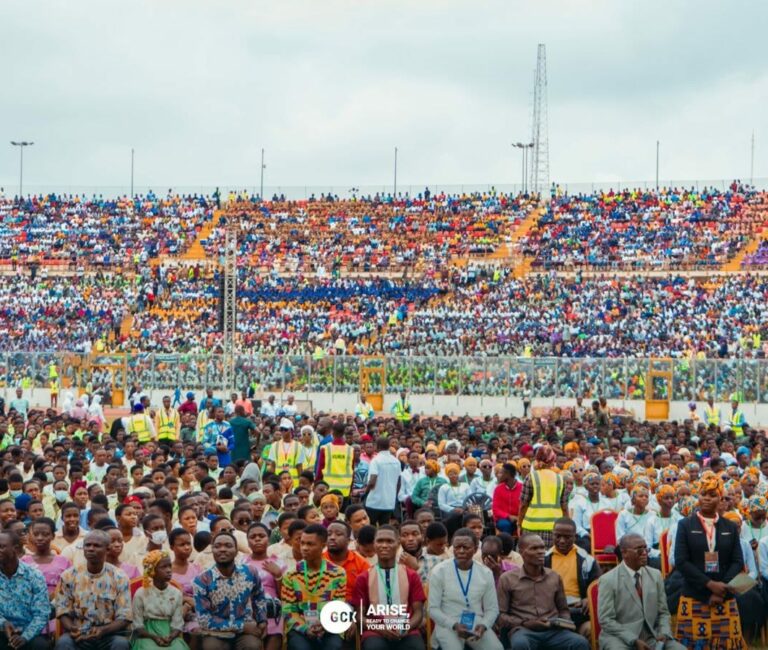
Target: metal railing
x=296, y=192
x=547, y=377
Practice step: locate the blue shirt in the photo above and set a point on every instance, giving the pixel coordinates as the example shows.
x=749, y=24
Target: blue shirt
x=211, y=433
x=223, y=604
x=24, y=601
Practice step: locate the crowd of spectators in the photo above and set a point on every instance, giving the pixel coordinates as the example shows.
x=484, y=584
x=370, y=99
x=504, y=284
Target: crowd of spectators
x=371, y=235
x=99, y=232
x=645, y=229
x=229, y=523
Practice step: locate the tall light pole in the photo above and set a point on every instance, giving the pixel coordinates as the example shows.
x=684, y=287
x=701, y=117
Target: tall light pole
x=21, y=144
x=752, y=162
x=524, y=148
x=657, y=165
x=395, y=185
x=132, y=155
x=261, y=186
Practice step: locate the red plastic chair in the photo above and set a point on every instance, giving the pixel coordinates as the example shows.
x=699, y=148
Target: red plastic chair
x=594, y=631
x=603, y=525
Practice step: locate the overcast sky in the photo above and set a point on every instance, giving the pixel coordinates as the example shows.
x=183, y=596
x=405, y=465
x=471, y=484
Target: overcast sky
x=330, y=87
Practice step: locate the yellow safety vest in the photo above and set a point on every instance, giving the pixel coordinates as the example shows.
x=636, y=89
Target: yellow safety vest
x=737, y=422
x=401, y=413
x=287, y=461
x=166, y=429
x=713, y=417
x=137, y=426
x=338, y=467
x=54, y=386
x=545, y=508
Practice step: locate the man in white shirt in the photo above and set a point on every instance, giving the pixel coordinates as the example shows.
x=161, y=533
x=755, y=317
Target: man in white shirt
x=383, y=484
x=462, y=599
x=270, y=409
x=486, y=482
x=408, y=478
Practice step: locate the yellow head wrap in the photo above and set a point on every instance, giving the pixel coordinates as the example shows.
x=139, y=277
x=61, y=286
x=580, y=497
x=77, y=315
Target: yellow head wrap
x=664, y=490
x=710, y=481
x=452, y=467
x=432, y=465
x=150, y=563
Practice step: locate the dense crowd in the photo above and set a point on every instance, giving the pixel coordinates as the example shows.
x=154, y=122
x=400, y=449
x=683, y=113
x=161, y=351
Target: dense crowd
x=99, y=232
x=372, y=234
x=220, y=523
x=642, y=229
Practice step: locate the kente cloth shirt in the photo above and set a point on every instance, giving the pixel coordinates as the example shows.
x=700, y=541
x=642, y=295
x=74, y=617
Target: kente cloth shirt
x=301, y=592
x=24, y=601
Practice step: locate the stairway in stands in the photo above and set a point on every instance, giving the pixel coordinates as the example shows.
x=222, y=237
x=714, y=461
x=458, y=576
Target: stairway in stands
x=196, y=252
x=759, y=206
x=524, y=263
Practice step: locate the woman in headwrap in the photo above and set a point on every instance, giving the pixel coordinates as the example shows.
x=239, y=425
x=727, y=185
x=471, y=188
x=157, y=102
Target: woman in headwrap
x=639, y=521
x=708, y=556
x=425, y=490
x=609, y=500
x=754, y=529
x=157, y=607
x=450, y=498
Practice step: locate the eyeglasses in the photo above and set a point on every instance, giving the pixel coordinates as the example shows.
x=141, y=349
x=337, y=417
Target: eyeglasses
x=640, y=550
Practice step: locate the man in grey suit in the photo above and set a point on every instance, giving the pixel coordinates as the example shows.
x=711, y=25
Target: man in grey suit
x=631, y=603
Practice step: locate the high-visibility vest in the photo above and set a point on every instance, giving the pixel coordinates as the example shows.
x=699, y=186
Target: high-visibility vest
x=287, y=461
x=137, y=426
x=401, y=410
x=338, y=467
x=713, y=415
x=166, y=425
x=545, y=508
x=364, y=411
x=54, y=385
x=737, y=422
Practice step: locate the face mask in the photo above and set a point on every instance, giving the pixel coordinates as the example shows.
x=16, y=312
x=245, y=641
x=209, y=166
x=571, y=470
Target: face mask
x=159, y=537
x=61, y=495
x=253, y=496
x=15, y=493
x=49, y=477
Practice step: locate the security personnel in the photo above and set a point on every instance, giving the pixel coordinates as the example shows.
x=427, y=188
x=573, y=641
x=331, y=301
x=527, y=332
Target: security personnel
x=53, y=384
x=364, y=409
x=712, y=413
x=287, y=454
x=140, y=425
x=335, y=462
x=402, y=409
x=737, y=422
x=167, y=422
x=542, y=501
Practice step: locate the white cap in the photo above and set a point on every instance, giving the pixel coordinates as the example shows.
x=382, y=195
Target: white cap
x=285, y=423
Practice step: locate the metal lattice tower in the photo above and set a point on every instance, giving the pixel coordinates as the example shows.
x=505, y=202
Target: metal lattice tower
x=230, y=302
x=540, y=136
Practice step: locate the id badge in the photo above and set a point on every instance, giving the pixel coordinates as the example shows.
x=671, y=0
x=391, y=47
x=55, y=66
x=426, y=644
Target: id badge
x=312, y=617
x=468, y=620
x=711, y=562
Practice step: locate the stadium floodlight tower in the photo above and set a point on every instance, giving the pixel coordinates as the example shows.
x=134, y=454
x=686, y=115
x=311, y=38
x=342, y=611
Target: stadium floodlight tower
x=229, y=297
x=540, y=154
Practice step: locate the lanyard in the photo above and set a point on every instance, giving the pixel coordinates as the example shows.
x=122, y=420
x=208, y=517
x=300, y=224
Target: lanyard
x=709, y=532
x=752, y=532
x=384, y=573
x=464, y=589
x=312, y=592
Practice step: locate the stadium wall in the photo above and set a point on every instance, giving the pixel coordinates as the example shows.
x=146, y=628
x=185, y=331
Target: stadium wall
x=454, y=405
